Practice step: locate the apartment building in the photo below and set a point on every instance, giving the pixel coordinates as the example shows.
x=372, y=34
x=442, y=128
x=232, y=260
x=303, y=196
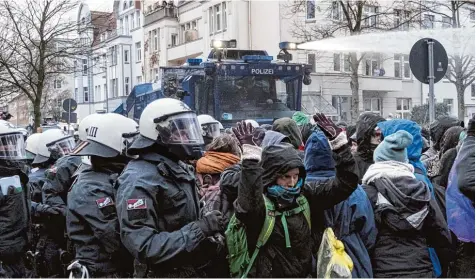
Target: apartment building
x=139, y=37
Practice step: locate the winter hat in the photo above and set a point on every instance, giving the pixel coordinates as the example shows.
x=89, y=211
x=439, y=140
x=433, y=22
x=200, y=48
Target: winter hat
x=300, y=118
x=394, y=147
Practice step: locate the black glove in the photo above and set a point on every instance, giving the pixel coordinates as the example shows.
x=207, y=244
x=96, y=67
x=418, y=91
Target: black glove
x=245, y=133
x=211, y=223
x=44, y=209
x=327, y=126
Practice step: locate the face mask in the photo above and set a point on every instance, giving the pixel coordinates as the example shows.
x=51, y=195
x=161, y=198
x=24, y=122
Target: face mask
x=283, y=194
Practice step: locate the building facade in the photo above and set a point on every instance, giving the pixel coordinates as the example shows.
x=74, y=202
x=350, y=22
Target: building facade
x=131, y=43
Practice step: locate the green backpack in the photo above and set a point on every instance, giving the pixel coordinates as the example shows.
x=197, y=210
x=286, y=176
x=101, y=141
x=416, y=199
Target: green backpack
x=238, y=254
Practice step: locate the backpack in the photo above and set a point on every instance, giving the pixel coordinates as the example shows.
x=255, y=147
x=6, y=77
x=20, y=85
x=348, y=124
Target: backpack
x=239, y=259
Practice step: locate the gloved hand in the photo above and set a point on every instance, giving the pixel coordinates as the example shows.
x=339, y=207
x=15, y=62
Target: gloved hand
x=328, y=127
x=44, y=209
x=211, y=223
x=245, y=133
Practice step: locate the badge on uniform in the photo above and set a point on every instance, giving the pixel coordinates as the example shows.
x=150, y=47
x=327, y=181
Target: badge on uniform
x=103, y=202
x=136, y=209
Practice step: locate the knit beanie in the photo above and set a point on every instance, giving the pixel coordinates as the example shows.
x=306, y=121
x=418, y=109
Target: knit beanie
x=394, y=147
x=300, y=118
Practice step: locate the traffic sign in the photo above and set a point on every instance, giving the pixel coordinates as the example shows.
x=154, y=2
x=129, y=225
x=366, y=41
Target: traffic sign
x=419, y=60
x=66, y=117
x=70, y=105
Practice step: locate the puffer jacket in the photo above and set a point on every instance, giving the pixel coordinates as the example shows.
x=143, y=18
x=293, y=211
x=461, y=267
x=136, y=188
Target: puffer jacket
x=364, y=130
x=352, y=220
x=408, y=221
x=274, y=259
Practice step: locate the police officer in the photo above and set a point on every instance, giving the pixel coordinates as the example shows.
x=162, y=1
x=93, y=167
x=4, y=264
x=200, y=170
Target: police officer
x=14, y=203
x=31, y=148
x=210, y=127
x=91, y=218
x=157, y=201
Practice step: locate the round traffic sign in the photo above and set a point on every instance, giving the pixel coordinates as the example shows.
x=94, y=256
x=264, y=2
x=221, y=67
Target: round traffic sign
x=70, y=105
x=419, y=60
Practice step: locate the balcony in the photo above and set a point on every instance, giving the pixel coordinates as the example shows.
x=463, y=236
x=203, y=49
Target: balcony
x=380, y=83
x=159, y=13
x=185, y=50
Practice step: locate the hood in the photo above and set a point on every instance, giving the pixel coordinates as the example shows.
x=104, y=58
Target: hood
x=289, y=128
x=279, y=159
x=365, y=126
x=272, y=138
x=301, y=118
x=414, y=150
x=439, y=127
x=318, y=155
x=402, y=203
x=450, y=139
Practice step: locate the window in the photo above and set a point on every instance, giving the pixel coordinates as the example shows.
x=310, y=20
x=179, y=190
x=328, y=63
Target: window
x=86, y=94
x=428, y=21
x=404, y=108
x=106, y=96
x=372, y=104
x=126, y=56
x=156, y=39
x=113, y=55
x=373, y=65
x=97, y=93
x=346, y=63
x=114, y=87
x=138, y=52
x=57, y=84
x=402, y=20
x=124, y=7
x=194, y=25
x=139, y=79
x=217, y=18
x=335, y=12
x=342, y=106
x=131, y=3
x=370, y=16
x=138, y=19
x=85, y=67
x=310, y=9
x=76, y=93
x=156, y=72
x=121, y=26
x=397, y=65
x=126, y=86
x=472, y=90
x=449, y=104
x=174, y=39
x=126, y=25
x=446, y=22
x=337, y=62
x=311, y=60
x=406, y=66
x=132, y=21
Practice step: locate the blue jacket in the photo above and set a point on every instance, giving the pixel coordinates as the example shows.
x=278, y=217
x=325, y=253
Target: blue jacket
x=351, y=220
x=414, y=154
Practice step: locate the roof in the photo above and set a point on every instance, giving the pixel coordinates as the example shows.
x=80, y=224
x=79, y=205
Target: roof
x=102, y=22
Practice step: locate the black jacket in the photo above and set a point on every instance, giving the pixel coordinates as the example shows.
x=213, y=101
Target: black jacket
x=36, y=180
x=157, y=206
x=93, y=227
x=465, y=169
x=408, y=222
x=274, y=259
x=14, y=217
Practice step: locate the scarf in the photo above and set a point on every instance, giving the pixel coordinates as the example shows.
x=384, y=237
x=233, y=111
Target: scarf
x=391, y=169
x=216, y=162
x=284, y=195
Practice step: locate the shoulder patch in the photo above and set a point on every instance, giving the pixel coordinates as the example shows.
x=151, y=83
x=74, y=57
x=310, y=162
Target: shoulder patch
x=136, y=204
x=103, y=202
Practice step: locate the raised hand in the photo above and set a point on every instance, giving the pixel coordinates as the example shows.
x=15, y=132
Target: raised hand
x=329, y=128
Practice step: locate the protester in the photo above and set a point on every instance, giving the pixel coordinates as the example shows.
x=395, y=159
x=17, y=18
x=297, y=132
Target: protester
x=273, y=138
x=289, y=128
x=407, y=217
x=277, y=172
x=367, y=136
x=437, y=130
x=210, y=127
x=351, y=220
x=465, y=170
x=91, y=218
x=157, y=200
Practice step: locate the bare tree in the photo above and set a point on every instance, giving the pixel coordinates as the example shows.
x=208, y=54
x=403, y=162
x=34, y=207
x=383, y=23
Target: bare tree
x=39, y=44
x=350, y=18
x=461, y=64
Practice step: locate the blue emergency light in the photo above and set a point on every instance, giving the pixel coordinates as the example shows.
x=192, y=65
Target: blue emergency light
x=287, y=45
x=194, y=61
x=257, y=58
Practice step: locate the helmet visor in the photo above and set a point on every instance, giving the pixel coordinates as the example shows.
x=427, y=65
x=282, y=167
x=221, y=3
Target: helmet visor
x=181, y=129
x=211, y=130
x=12, y=147
x=63, y=146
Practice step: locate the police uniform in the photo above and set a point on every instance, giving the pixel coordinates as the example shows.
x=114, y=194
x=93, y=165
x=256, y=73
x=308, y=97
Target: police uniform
x=157, y=206
x=92, y=225
x=14, y=225
x=36, y=180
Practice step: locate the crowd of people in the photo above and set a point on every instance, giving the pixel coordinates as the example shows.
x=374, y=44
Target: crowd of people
x=177, y=195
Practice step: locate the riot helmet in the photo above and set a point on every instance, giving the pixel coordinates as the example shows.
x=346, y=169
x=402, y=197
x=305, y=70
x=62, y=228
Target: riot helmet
x=172, y=125
x=210, y=127
x=31, y=146
x=253, y=123
x=12, y=144
x=53, y=144
x=109, y=136
x=84, y=125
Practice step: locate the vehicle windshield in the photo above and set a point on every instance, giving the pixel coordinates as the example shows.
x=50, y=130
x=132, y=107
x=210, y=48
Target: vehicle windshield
x=256, y=96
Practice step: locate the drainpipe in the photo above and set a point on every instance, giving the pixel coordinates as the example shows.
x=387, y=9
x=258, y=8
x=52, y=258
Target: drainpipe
x=250, y=40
